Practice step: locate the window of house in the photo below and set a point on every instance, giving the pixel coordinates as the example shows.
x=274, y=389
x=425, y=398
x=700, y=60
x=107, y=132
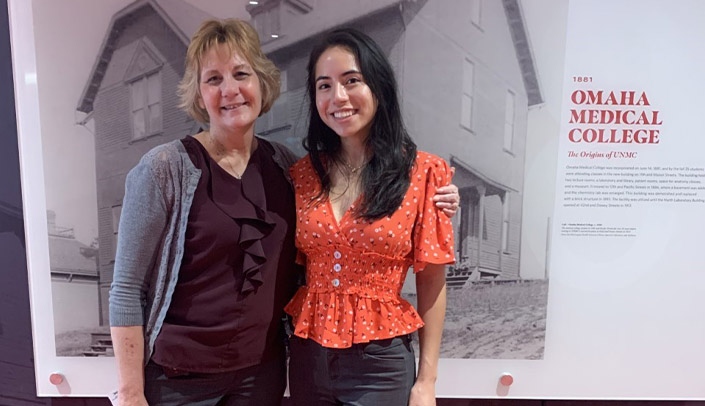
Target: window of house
x=272, y=18
x=466, y=101
x=475, y=222
x=473, y=217
x=268, y=25
x=146, y=105
x=505, y=224
x=509, y=119
x=116, y=212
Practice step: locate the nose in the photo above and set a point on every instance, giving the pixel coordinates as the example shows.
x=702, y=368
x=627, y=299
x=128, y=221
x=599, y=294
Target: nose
x=340, y=95
x=230, y=86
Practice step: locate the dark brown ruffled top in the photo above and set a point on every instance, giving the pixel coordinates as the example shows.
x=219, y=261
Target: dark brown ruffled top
x=236, y=273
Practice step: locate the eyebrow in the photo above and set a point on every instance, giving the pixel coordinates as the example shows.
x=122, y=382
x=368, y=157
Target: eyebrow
x=236, y=67
x=346, y=73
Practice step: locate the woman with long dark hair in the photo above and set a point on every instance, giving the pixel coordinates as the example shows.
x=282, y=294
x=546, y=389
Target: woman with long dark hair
x=365, y=215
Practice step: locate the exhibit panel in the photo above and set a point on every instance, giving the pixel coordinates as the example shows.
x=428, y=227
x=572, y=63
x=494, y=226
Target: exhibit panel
x=573, y=127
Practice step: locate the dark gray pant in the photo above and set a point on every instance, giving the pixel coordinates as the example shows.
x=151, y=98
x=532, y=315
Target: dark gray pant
x=259, y=385
x=380, y=372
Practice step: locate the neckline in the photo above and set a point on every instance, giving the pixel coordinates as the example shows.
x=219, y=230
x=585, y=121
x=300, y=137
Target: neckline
x=254, y=156
x=346, y=213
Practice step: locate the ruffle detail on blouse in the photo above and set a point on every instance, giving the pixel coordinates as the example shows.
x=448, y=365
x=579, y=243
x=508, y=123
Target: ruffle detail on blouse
x=248, y=212
x=339, y=320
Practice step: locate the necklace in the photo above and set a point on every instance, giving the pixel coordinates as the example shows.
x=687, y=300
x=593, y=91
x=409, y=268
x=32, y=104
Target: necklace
x=221, y=154
x=353, y=170
x=232, y=171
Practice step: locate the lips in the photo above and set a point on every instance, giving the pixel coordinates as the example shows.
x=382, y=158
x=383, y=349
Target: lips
x=343, y=113
x=232, y=106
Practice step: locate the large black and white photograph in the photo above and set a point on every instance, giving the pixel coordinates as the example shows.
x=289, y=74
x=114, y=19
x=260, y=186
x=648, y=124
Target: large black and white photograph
x=467, y=79
x=471, y=92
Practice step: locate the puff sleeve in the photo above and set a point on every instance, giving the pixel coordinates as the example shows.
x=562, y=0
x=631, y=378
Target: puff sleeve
x=433, y=231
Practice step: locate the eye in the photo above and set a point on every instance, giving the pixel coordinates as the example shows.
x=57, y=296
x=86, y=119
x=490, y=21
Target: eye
x=323, y=86
x=353, y=80
x=213, y=80
x=241, y=75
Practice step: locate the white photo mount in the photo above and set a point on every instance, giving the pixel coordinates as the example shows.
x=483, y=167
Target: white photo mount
x=599, y=343
x=81, y=376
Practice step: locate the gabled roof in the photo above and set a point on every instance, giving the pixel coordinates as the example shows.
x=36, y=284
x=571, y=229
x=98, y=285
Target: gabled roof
x=180, y=16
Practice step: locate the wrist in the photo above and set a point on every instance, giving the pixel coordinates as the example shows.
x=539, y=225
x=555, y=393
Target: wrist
x=427, y=372
x=426, y=380
x=130, y=391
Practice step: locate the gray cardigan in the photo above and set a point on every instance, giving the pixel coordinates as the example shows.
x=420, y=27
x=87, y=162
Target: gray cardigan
x=158, y=196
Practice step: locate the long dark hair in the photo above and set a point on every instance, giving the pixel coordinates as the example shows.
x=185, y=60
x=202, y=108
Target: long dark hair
x=391, y=151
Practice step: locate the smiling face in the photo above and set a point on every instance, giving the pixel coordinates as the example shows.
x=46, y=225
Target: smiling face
x=229, y=90
x=343, y=100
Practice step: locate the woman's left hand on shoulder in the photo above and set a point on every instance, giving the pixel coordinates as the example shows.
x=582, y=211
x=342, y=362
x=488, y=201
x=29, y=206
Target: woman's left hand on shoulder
x=447, y=197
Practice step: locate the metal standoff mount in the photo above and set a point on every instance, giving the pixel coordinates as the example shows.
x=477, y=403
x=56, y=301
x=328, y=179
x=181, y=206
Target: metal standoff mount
x=506, y=379
x=56, y=378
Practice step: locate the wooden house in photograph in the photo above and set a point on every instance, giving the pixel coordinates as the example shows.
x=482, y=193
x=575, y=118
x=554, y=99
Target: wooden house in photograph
x=130, y=97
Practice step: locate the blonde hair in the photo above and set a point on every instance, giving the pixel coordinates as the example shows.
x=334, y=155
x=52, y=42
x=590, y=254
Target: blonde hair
x=240, y=37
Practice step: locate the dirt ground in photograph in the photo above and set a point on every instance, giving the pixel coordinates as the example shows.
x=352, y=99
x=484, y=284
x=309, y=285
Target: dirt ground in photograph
x=500, y=320
x=75, y=343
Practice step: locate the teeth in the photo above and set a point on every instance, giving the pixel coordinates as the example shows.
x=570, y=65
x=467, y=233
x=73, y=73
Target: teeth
x=342, y=114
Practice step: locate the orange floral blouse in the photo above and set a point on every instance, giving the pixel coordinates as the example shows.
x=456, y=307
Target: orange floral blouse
x=355, y=269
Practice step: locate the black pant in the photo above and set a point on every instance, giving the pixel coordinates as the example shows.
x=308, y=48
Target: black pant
x=380, y=372
x=259, y=385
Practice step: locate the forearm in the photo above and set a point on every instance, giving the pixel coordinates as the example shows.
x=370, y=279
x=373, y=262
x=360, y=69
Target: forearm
x=431, y=291
x=128, y=343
